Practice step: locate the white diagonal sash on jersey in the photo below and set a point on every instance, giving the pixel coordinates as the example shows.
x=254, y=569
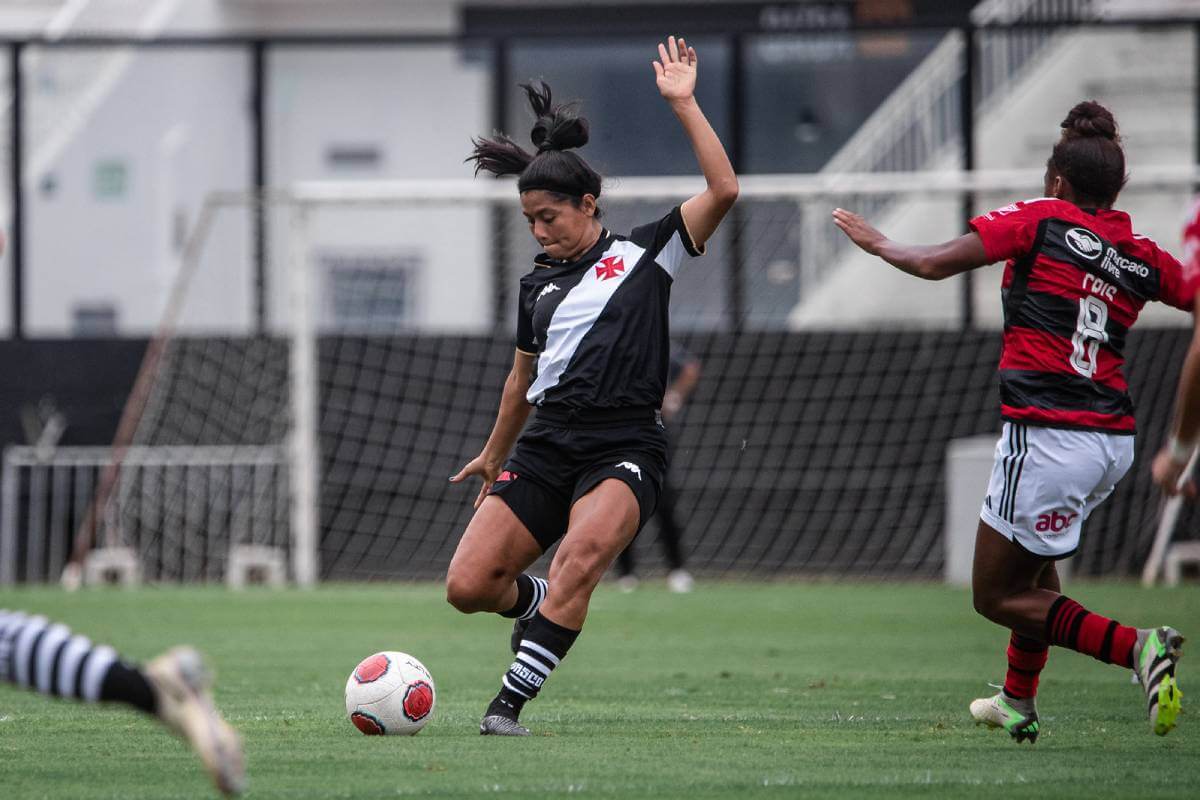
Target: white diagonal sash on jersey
x=575, y=316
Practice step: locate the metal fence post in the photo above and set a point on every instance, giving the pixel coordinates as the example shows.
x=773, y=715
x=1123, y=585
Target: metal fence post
x=967, y=100
x=16, y=179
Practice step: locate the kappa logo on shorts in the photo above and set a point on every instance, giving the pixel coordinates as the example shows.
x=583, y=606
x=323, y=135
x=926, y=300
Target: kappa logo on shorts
x=1054, y=522
x=634, y=468
x=506, y=476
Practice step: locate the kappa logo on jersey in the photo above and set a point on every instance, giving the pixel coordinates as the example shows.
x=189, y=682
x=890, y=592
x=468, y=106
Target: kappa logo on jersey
x=634, y=468
x=1084, y=243
x=610, y=267
x=1054, y=522
x=550, y=287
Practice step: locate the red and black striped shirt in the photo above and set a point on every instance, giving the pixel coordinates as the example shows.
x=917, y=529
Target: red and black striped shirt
x=1074, y=284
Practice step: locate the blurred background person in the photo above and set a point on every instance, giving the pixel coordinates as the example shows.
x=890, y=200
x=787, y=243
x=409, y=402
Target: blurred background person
x=683, y=375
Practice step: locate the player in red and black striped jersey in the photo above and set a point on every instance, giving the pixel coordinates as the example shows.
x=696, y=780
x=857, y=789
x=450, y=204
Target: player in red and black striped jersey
x=1076, y=276
x=1074, y=282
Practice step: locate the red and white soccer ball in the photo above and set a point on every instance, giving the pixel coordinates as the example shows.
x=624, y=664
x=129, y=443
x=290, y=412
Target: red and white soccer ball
x=390, y=693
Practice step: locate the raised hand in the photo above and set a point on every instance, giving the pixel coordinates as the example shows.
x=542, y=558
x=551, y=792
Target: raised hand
x=675, y=70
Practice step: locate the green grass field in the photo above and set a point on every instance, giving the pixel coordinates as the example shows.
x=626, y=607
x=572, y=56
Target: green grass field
x=783, y=690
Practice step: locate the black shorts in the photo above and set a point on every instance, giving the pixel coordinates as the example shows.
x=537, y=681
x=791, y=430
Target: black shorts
x=562, y=456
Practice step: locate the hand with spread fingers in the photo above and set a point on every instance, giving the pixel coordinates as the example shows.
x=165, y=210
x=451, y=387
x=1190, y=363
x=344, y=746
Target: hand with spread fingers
x=675, y=70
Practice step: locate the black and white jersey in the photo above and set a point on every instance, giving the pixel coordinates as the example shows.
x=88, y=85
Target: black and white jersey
x=599, y=325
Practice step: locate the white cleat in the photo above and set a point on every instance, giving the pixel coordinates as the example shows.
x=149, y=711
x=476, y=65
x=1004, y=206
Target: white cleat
x=1156, y=654
x=680, y=581
x=183, y=687
x=1019, y=718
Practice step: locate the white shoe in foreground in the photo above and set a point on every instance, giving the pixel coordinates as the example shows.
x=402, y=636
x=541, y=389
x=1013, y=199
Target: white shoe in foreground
x=680, y=581
x=1020, y=719
x=182, y=686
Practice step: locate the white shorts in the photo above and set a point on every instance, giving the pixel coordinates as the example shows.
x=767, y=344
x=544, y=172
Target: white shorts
x=1047, y=481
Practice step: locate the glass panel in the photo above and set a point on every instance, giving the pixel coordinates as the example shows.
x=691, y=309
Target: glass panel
x=123, y=147
x=411, y=113
x=633, y=132
x=808, y=97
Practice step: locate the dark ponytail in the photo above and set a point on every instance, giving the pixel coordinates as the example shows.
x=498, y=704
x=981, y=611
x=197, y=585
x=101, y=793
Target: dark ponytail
x=1089, y=154
x=551, y=167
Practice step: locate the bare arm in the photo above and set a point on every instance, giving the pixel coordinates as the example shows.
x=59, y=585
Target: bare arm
x=932, y=262
x=675, y=73
x=1172, y=459
x=510, y=419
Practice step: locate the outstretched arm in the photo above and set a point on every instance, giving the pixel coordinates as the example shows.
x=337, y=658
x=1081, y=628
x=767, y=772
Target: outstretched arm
x=932, y=262
x=675, y=73
x=1172, y=460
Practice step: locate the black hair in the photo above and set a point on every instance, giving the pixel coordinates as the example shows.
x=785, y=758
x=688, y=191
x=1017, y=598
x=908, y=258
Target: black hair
x=552, y=167
x=1089, y=155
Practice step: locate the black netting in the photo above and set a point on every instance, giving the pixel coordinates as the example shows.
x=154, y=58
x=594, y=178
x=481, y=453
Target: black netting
x=799, y=452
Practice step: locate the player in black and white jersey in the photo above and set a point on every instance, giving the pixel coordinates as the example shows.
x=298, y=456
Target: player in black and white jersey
x=592, y=353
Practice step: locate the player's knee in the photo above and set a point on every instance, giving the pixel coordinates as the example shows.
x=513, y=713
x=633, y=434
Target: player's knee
x=986, y=603
x=468, y=593
x=583, y=566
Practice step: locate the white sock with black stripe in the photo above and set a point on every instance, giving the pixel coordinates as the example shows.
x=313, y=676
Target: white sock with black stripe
x=531, y=592
x=544, y=645
x=44, y=656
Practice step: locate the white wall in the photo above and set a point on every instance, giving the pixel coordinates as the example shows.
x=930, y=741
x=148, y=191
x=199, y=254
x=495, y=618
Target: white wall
x=419, y=108
x=178, y=123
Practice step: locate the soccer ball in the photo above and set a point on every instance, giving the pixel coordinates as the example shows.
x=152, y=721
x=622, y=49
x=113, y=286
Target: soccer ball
x=390, y=693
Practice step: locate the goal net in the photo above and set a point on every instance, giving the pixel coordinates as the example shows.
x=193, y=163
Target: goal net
x=831, y=385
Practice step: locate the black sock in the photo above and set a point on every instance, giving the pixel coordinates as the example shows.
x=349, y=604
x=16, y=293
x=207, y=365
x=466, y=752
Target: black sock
x=126, y=684
x=531, y=592
x=44, y=656
x=545, y=644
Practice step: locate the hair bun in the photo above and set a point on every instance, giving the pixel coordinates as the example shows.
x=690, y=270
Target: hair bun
x=1088, y=120
x=557, y=127
x=554, y=133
